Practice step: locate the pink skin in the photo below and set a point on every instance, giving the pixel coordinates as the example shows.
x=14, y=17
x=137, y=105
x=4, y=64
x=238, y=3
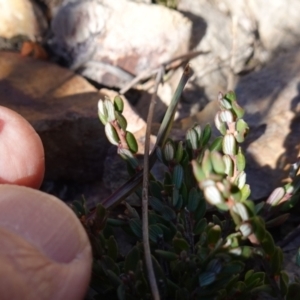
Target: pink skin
x=44, y=250
x=21, y=151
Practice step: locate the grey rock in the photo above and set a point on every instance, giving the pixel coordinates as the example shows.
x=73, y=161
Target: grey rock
x=227, y=44
x=272, y=102
x=129, y=37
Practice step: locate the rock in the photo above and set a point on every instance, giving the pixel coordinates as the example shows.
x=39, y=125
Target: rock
x=19, y=17
x=62, y=107
x=117, y=45
x=277, y=21
x=272, y=102
x=51, y=7
x=228, y=47
x=239, y=37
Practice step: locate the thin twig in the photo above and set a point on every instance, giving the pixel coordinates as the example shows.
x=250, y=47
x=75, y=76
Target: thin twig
x=147, y=251
x=172, y=63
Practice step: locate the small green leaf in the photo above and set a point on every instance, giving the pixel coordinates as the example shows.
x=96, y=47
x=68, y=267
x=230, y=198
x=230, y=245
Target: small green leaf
x=159, y=155
x=207, y=278
x=276, y=261
x=276, y=196
x=167, y=232
x=131, y=142
x=114, y=279
x=240, y=160
x=116, y=222
x=233, y=267
x=180, y=244
x=245, y=191
x=155, y=233
x=228, y=165
x=169, y=151
x=110, y=110
x=177, y=176
x=175, y=196
x=179, y=203
x=168, y=213
x=213, y=195
x=284, y=282
x=206, y=163
x=216, y=144
x=198, y=171
x=155, y=189
x=229, y=144
x=141, y=284
x=112, y=248
x=102, y=118
x=159, y=274
x=206, y=134
x=200, y=226
x=118, y=104
x=101, y=212
x=239, y=111
x=79, y=208
x=226, y=116
x=242, y=127
x=121, y=120
x=251, y=277
x=221, y=126
x=258, y=228
x=216, y=220
x=198, y=129
x=240, y=137
x=240, y=180
x=217, y=162
x=213, y=235
x=102, y=112
x=132, y=213
x=107, y=264
x=179, y=152
x=265, y=288
x=167, y=255
x=230, y=96
x=121, y=292
x=277, y=221
x=136, y=227
x=156, y=204
x=246, y=229
x=192, y=139
x=111, y=134
x=215, y=266
x=193, y=200
x=132, y=259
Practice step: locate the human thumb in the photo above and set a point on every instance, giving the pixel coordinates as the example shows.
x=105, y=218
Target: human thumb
x=45, y=252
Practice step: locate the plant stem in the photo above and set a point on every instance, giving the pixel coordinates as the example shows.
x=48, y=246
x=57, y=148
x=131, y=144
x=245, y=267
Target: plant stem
x=145, y=198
